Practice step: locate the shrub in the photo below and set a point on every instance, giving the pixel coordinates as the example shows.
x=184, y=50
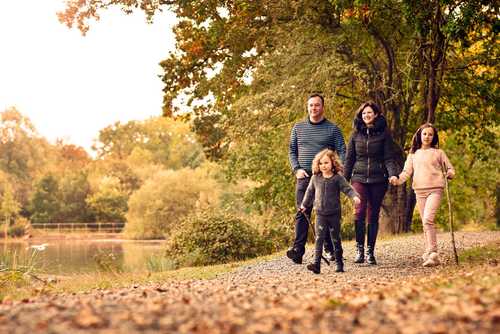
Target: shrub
x=165, y=199
x=213, y=237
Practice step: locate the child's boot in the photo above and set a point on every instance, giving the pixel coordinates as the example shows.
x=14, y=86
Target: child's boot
x=315, y=267
x=339, y=261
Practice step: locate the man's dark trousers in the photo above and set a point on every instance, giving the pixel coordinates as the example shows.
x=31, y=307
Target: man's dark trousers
x=301, y=224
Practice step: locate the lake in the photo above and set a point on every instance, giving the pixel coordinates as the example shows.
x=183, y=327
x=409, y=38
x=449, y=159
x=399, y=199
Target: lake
x=63, y=257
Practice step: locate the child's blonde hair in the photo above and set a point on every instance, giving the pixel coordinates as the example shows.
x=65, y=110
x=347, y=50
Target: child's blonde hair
x=334, y=157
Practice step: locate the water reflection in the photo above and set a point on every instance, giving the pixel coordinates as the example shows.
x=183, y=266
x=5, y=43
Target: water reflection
x=62, y=257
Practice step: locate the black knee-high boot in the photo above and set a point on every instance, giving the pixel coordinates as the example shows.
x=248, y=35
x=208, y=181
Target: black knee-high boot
x=359, y=227
x=372, y=238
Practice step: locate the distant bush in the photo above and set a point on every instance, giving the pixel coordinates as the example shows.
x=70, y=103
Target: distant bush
x=213, y=237
x=166, y=198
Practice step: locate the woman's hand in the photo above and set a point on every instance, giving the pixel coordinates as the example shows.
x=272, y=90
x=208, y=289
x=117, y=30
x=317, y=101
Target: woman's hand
x=356, y=200
x=302, y=209
x=394, y=180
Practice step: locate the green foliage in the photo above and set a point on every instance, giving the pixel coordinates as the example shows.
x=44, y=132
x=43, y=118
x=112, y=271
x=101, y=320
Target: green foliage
x=44, y=203
x=72, y=193
x=162, y=140
x=166, y=198
x=213, y=237
x=252, y=63
x=23, y=153
x=109, y=202
x=60, y=198
x=473, y=189
x=9, y=207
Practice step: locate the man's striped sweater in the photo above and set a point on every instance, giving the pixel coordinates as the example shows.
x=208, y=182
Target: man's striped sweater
x=307, y=139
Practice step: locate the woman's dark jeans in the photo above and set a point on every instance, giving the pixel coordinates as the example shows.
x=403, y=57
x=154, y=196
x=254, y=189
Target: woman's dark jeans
x=301, y=224
x=371, y=196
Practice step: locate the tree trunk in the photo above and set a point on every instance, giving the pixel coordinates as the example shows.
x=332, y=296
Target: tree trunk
x=411, y=201
x=392, y=215
x=497, y=211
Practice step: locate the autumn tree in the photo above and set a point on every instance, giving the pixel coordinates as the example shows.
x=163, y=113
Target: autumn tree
x=248, y=65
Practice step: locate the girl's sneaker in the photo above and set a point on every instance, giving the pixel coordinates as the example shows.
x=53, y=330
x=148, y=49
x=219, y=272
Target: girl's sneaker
x=425, y=256
x=434, y=256
x=432, y=260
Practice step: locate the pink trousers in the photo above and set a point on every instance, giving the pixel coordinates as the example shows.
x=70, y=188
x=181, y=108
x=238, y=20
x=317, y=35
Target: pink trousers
x=428, y=204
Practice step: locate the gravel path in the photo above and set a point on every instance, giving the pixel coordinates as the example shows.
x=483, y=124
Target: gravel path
x=274, y=296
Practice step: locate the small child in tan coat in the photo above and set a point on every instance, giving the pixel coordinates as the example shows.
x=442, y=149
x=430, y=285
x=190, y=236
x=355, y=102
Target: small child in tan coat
x=426, y=162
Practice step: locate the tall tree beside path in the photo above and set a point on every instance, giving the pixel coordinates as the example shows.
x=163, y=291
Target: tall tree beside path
x=252, y=62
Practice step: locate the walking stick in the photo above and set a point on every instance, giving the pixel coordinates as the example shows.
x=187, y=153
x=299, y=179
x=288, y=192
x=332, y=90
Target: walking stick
x=450, y=214
x=314, y=234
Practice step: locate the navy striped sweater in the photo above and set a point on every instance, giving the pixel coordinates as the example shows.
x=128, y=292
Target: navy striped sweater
x=307, y=139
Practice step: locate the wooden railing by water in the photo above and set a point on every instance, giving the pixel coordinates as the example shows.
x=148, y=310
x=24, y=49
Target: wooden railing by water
x=101, y=227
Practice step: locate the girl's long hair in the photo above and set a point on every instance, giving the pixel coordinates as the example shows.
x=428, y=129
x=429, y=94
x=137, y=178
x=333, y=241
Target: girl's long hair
x=416, y=142
x=334, y=157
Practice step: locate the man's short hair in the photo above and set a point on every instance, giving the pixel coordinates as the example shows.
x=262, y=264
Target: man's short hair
x=317, y=95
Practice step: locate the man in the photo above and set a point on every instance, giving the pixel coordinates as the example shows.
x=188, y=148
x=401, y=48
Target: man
x=307, y=139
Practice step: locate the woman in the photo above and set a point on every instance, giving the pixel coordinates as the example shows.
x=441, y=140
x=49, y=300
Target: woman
x=369, y=164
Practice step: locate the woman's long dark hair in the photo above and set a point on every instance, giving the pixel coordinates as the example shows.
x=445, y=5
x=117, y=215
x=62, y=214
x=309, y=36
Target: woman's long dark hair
x=371, y=104
x=416, y=142
x=359, y=125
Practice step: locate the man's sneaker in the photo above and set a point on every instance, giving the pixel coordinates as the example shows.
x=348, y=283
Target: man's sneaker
x=294, y=256
x=314, y=267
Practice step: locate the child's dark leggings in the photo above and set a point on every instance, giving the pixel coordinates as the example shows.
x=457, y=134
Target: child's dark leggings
x=327, y=225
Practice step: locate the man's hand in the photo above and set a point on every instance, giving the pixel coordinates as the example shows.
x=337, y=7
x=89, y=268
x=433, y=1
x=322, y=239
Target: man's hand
x=301, y=174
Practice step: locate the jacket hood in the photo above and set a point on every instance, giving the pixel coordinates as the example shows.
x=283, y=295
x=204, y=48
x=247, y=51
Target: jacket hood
x=379, y=125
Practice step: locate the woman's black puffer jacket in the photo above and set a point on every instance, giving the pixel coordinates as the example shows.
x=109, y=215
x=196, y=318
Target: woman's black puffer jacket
x=370, y=152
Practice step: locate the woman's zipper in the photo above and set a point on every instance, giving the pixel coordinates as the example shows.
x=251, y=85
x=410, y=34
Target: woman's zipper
x=367, y=155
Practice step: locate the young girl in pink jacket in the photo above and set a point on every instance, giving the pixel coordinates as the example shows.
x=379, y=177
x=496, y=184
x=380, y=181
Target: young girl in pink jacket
x=426, y=162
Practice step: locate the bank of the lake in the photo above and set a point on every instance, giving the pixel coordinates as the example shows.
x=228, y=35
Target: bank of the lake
x=83, y=254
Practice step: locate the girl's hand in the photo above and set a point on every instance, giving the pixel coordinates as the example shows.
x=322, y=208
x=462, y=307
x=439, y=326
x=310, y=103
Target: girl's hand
x=450, y=174
x=302, y=209
x=356, y=200
x=394, y=180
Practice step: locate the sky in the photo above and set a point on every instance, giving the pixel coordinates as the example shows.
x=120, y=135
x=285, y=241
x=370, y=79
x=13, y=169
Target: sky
x=70, y=85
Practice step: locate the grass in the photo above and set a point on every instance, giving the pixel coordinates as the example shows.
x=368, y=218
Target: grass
x=21, y=289
x=481, y=254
